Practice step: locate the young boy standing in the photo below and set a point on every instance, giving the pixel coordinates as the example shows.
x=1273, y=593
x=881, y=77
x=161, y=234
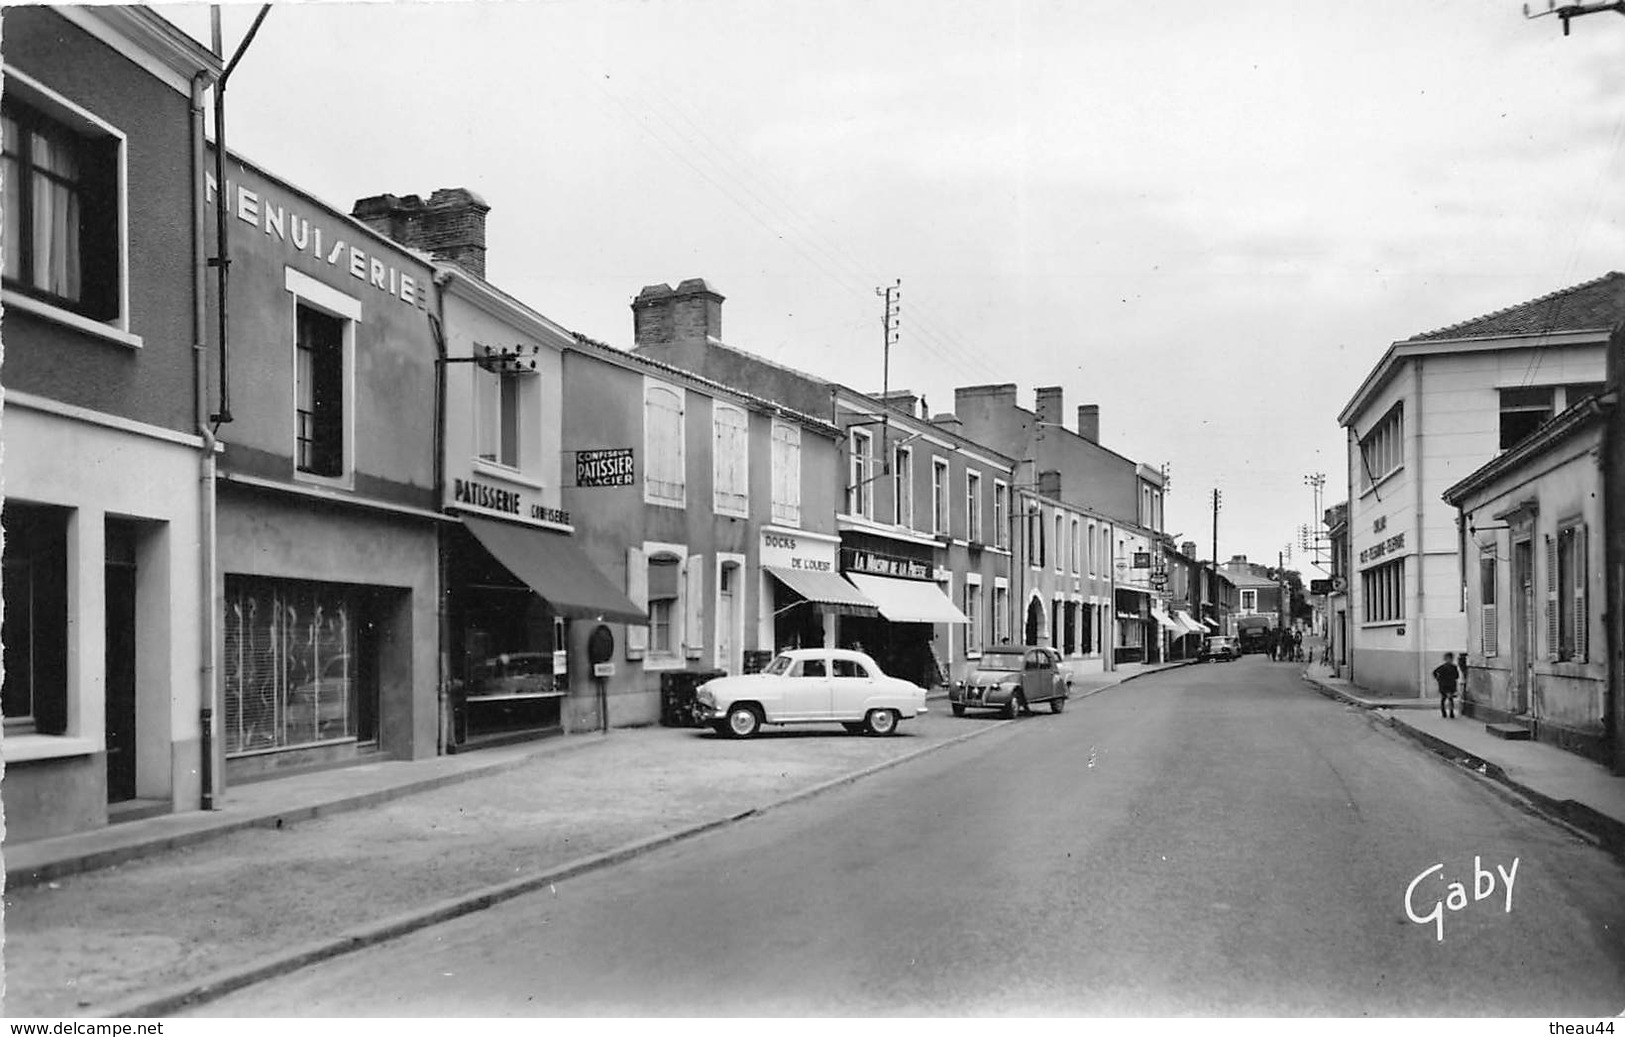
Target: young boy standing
x=1446, y=674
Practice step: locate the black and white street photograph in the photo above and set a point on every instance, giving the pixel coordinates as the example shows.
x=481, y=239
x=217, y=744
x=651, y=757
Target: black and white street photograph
x=1146, y=546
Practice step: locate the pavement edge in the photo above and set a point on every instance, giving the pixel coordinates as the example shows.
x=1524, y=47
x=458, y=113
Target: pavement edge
x=1591, y=824
x=226, y=981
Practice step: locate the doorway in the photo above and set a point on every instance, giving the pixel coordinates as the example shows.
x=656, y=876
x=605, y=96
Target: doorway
x=727, y=613
x=1035, y=622
x=1523, y=625
x=120, y=585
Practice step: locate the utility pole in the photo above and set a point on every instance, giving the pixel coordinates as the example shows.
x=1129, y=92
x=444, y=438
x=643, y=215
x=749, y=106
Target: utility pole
x=1214, y=581
x=893, y=295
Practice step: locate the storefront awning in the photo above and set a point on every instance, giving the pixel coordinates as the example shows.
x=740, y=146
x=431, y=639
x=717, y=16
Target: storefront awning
x=1166, y=621
x=552, y=565
x=826, y=589
x=908, y=601
x=1191, y=626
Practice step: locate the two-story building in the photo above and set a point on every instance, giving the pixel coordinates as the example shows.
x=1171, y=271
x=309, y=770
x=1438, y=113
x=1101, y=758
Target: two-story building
x=1437, y=407
x=107, y=441
x=328, y=516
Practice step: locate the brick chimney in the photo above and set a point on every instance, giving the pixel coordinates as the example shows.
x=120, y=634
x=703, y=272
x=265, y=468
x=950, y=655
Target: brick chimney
x=1089, y=421
x=949, y=421
x=689, y=314
x=450, y=225
x=904, y=401
x=1048, y=407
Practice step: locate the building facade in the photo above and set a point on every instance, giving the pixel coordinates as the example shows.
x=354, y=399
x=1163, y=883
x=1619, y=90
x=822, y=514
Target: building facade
x=1337, y=601
x=328, y=518
x=1437, y=407
x=1532, y=565
x=106, y=426
x=921, y=510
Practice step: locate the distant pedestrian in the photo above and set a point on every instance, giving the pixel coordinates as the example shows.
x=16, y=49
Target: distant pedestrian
x=1447, y=675
x=1297, y=645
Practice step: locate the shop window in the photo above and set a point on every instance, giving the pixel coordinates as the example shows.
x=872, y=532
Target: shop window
x=730, y=460
x=294, y=667
x=1382, y=451
x=664, y=479
x=498, y=410
x=34, y=696
x=1523, y=410
x=62, y=207
x=1001, y=514
x=860, y=450
x=664, y=572
x=1566, y=594
x=786, y=474
x=903, y=487
x=939, y=496
x=319, y=392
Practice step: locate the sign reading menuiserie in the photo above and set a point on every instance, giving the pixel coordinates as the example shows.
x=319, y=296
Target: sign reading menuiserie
x=604, y=467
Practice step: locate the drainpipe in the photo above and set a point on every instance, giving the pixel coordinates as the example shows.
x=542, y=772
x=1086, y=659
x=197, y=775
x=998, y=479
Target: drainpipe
x=222, y=260
x=444, y=720
x=1421, y=630
x=206, y=474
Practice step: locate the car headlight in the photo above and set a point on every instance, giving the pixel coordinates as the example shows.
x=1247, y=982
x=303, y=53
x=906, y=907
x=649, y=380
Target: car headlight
x=705, y=698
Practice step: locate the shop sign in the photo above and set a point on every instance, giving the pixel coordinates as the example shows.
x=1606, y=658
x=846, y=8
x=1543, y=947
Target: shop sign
x=300, y=233
x=788, y=551
x=1142, y=559
x=604, y=467
x=561, y=663
x=603, y=669
x=485, y=497
x=882, y=565
x=1387, y=547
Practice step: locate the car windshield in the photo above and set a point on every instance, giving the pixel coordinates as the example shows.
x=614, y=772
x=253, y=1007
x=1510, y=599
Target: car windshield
x=1000, y=662
x=780, y=664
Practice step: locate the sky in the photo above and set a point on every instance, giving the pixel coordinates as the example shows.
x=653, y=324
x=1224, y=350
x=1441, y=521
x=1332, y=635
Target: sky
x=1211, y=219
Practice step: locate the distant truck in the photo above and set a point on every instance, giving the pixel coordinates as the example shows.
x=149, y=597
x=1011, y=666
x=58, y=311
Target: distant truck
x=1254, y=632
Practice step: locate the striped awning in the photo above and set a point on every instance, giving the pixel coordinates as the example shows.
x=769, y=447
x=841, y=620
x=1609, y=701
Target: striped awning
x=825, y=589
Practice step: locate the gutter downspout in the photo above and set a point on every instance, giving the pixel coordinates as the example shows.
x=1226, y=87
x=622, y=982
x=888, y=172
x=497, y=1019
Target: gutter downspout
x=445, y=727
x=208, y=551
x=1421, y=545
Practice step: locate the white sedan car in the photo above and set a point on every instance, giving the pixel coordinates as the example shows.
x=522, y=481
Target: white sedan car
x=810, y=686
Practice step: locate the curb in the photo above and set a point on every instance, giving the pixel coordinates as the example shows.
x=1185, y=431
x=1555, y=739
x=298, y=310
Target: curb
x=225, y=981
x=33, y=875
x=1606, y=832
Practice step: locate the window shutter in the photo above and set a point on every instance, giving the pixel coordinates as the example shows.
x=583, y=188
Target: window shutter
x=1581, y=564
x=637, y=588
x=1489, y=634
x=1551, y=599
x=693, y=599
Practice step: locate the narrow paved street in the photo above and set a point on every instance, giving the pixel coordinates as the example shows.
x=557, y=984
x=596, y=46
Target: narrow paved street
x=1213, y=840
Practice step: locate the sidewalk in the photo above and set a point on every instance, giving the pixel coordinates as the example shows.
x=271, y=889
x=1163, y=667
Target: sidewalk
x=1560, y=784
x=145, y=917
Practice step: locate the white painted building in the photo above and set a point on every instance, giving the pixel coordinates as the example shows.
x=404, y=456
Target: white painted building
x=1435, y=408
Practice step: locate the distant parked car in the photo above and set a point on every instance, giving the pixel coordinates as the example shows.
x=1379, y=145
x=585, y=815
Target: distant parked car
x=810, y=686
x=1219, y=649
x=1013, y=678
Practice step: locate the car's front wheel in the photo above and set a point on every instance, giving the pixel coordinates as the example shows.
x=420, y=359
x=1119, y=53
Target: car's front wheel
x=743, y=722
x=1012, y=709
x=881, y=722
x=958, y=708
x=1057, y=704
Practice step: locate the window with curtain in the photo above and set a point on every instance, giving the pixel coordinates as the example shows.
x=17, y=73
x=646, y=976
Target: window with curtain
x=973, y=507
x=939, y=496
x=1001, y=514
x=62, y=208
x=664, y=573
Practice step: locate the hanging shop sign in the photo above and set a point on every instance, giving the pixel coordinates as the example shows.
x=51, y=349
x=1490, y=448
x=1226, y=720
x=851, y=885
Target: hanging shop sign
x=596, y=468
